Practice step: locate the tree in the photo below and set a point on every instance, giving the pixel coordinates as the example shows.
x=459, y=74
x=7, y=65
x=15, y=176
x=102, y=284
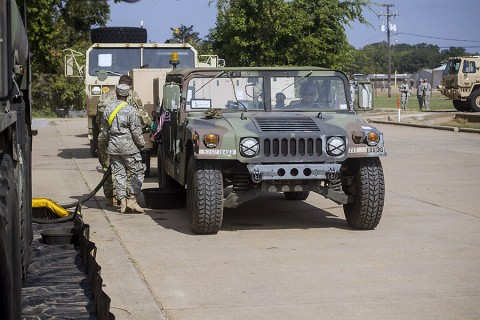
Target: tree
x=186, y=35
x=55, y=25
x=278, y=32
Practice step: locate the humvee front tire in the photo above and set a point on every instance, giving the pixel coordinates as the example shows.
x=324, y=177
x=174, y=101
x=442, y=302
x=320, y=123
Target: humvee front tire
x=296, y=195
x=474, y=101
x=368, y=189
x=205, y=196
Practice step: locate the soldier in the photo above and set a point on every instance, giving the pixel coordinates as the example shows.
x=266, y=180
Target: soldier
x=308, y=95
x=147, y=125
x=426, y=94
x=121, y=128
x=420, y=93
x=404, y=94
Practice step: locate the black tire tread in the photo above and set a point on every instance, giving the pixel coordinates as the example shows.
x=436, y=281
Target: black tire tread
x=119, y=35
x=366, y=211
x=205, y=196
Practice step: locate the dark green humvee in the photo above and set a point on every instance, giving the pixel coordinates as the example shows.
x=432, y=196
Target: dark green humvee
x=234, y=133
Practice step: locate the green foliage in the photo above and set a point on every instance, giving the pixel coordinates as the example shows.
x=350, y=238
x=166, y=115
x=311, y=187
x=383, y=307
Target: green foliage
x=55, y=25
x=186, y=35
x=277, y=32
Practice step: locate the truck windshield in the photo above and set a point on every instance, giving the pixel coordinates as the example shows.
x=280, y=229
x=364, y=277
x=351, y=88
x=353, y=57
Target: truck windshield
x=121, y=60
x=452, y=67
x=283, y=93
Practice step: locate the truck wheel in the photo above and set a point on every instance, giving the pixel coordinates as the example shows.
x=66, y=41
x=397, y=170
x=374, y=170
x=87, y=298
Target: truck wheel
x=205, y=196
x=461, y=106
x=119, y=35
x=94, y=141
x=368, y=190
x=10, y=243
x=297, y=195
x=164, y=180
x=474, y=101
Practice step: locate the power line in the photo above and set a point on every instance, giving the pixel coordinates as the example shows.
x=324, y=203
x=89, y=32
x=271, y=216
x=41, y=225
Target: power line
x=439, y=38
x=389, y=27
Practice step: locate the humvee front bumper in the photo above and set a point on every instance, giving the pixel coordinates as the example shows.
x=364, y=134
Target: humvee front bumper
x=306, y=171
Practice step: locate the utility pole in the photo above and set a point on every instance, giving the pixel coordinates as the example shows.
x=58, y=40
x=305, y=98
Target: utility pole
x=389, y=27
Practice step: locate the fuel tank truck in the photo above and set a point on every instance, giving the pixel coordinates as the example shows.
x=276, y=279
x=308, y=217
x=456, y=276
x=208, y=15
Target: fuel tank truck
x=15, y=158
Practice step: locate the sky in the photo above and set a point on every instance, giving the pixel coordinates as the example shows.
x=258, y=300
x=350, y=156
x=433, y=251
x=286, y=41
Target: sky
x=446, y=23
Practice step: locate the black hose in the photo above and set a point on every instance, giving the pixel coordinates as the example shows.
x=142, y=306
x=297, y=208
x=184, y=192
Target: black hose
x=77, y=204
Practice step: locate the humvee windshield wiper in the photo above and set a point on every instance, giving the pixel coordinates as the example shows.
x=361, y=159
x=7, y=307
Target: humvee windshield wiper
x=218, y=75
x=305, y=76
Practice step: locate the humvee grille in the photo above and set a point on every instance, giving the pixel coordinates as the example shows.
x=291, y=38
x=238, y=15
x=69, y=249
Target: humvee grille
x=286, y=124
x=293, y=147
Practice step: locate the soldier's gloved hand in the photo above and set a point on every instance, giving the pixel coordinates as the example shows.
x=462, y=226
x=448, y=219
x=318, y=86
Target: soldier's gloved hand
x=153, y=126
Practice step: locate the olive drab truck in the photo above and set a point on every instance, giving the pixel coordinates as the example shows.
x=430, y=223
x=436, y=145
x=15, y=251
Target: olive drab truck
x=461, y=83
x=124, y=50
x=15, y=158
x=234, y=134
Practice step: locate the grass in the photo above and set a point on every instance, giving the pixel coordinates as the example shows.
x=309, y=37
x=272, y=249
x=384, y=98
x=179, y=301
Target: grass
x=461, y=123
x=437, y=101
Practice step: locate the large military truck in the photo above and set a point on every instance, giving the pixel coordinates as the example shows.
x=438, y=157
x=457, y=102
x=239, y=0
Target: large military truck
x=232, y=134
x=124, y=50
x=15, y=158
x=461, y=82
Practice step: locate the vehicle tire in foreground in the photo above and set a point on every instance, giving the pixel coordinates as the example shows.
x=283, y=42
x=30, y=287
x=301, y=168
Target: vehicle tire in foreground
x=368, y=189
x=205, y=196
x=296, y=195
x=474, y=101
x=461, y=106
x=10, y=243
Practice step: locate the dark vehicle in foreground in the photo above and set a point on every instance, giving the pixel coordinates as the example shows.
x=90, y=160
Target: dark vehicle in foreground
x=16, y=231
x=233, y=134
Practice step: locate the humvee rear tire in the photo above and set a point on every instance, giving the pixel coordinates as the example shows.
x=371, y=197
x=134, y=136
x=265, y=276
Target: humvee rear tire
x=296, y=195
x=474, y=101
x=119, y=35
x=461, y=106
x=368, y=189
x=164, y=180
x=205, y=196
x=10, y=243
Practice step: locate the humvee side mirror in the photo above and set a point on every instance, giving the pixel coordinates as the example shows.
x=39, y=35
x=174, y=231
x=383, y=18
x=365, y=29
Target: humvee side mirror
x=364, y=97
x=171, y=96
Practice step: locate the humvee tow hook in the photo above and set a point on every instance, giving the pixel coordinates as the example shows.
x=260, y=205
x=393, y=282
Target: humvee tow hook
x=332, y=174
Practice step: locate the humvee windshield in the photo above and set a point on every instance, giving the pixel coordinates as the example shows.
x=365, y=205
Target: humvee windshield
x=238, y=93
x=121, y=60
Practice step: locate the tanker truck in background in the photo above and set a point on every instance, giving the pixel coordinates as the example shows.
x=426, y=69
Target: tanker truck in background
x=15, y=158
x=124, y=50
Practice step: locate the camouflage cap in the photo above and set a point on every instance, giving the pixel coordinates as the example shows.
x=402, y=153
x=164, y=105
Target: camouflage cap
x=122, y=90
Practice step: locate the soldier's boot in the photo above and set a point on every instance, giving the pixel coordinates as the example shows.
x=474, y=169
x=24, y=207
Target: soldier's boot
x=133, y=206
x=123, y=205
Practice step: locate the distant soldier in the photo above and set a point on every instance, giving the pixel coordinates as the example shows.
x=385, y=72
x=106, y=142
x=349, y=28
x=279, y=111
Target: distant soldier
x=427, y=88
x=404, y=94
x=420, y=93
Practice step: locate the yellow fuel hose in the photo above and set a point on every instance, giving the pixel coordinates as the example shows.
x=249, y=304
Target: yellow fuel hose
x=51, y=205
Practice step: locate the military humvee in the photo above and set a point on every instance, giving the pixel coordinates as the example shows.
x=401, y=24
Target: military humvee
x=461, y=83
x=233, y=134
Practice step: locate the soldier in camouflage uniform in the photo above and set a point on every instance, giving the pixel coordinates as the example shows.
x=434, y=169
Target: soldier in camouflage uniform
x=426, y=94
x=420, y=93
x=404, y=94
x=147, y=123
x=122, y=129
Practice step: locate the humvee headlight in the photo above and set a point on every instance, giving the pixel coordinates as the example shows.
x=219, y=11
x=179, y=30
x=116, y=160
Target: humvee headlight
x=96, y=90
x=373, y=138
x=249, y=147
x=211, y=140
x=335, y=146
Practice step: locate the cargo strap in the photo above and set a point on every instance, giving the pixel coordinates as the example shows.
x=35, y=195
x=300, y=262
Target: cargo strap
x=114, y=113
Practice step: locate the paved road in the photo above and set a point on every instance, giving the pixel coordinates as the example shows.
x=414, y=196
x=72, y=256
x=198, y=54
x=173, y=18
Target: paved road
x=278, y=259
